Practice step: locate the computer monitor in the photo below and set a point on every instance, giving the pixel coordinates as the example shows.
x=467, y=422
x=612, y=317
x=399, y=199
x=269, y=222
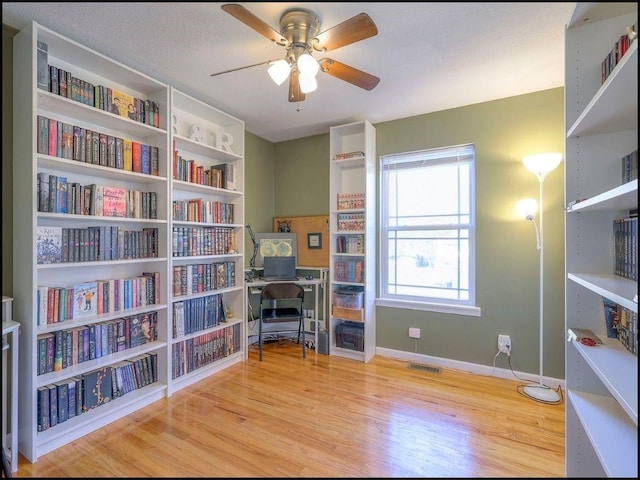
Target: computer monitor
x=279, y=268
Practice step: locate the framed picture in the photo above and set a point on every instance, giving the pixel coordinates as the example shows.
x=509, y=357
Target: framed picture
x=275, y=244
x=314, y=240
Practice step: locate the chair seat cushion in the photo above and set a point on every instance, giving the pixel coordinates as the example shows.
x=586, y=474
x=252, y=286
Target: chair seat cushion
x=279, y=314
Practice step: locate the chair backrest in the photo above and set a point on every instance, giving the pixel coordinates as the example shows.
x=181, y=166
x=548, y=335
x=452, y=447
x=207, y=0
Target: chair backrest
x=282, y=291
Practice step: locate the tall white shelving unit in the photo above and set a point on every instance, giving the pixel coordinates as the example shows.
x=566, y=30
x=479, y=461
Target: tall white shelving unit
x=203, y=137
x=30, y=102
x=601, y=128
x=10, y=374
x=352, y=219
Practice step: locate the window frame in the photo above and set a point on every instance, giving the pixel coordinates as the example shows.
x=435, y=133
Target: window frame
x=430, y=157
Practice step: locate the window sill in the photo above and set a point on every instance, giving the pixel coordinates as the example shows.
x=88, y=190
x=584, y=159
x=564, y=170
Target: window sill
x=430, y=307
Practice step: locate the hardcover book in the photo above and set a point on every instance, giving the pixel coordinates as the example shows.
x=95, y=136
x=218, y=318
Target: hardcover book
x=85, y=297
x=49, y=244
x=43, y=135
x=114, y=202
x=97, y=388
x=43, y=192
x=127, y=154
x=43, y=409
x=140, y=330
x=122, y=104
x=43, y=65
x=53, y=405
x=63, y=401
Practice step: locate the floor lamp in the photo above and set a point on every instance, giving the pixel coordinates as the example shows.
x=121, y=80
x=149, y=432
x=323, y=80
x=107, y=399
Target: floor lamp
x=540, y=165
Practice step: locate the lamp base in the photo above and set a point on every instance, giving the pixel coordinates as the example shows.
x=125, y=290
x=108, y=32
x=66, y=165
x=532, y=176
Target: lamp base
x=541, y=392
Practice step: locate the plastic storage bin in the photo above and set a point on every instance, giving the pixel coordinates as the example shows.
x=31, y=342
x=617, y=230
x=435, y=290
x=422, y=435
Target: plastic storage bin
x=350, y=335
x=349, y=297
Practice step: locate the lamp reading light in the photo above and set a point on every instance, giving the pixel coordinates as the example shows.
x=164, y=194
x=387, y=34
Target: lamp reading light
x=526, y=208
x=279, y=71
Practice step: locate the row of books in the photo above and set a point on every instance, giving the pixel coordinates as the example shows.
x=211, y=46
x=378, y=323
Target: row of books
x=197, y=314
x=203, y=277
x=349, y=271
x=61, y=401
x=621, y=323
x=57, y=195
x=193, y=241
x=194, y=353
x=72, y=142
x=64, y=348
x=350, y=244
x=617, y=52
x=64, y=83
x=351, y=221
x=60, y=304
x=350, y=201
x=625, y=243
x=56, y=244
x=222, y=175
x=203, y=211
x=630, y=166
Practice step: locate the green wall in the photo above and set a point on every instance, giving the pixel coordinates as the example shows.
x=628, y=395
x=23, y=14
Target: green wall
x=292, y=179
x=507, y=261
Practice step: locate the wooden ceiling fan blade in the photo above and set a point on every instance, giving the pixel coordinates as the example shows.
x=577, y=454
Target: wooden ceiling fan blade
x=350, y=31
x=241, y=68
x=295, y=94
x=249, y=19
x=349, y=74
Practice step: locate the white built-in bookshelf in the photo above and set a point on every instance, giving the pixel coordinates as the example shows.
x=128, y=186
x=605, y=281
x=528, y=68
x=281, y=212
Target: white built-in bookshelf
x=352, y=266
x=207, y=202
x=601, y=128
x=117, y=245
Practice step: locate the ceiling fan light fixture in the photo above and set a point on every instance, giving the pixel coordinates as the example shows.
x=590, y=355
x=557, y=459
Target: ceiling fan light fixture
x=308, y=82
x=279, y=71
x=308, y=65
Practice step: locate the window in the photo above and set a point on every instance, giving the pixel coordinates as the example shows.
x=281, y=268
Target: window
x=428, y=230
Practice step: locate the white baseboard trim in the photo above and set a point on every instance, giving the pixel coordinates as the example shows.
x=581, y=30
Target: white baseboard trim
x=474, y=368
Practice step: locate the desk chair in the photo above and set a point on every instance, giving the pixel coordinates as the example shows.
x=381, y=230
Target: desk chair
x=282, y=302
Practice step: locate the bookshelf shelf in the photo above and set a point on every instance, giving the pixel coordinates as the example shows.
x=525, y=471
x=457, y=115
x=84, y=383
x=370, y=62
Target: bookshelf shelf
x=601, y=120
x=603, y=421
x=352, y=183
x=608, y=111
x=623, y=197
x=135, y=347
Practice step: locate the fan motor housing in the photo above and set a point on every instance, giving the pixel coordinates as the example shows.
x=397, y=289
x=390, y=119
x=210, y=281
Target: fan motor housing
x=299, y=26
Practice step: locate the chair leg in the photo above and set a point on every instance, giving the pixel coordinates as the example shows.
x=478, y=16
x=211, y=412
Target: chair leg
x=260, y=338
x=304, y=343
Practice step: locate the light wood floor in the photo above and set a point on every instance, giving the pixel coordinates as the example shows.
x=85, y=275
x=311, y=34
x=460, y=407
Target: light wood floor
x=325, y=417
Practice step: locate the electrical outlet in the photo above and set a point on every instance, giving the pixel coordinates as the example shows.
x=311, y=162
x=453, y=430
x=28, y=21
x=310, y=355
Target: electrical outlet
x=414, y=332
x=504, y=344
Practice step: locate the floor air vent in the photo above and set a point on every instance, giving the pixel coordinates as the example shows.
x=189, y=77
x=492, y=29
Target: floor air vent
x=421, y=366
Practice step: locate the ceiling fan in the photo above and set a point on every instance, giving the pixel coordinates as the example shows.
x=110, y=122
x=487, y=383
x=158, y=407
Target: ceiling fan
x=299, y=36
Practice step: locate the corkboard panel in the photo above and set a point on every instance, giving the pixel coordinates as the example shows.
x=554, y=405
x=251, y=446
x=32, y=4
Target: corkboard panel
x=302, y=226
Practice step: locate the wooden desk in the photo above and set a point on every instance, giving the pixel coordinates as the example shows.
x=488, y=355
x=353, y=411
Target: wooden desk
x=254, y=287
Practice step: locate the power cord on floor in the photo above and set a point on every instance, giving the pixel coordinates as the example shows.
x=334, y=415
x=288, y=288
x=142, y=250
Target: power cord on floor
x=520, y=388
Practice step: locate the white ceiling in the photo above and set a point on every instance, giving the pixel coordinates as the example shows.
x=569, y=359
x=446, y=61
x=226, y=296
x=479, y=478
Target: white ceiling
x=428, y=56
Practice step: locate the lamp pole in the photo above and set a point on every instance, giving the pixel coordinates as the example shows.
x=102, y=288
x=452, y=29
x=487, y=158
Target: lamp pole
x=541, y=165
x=541, y=255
